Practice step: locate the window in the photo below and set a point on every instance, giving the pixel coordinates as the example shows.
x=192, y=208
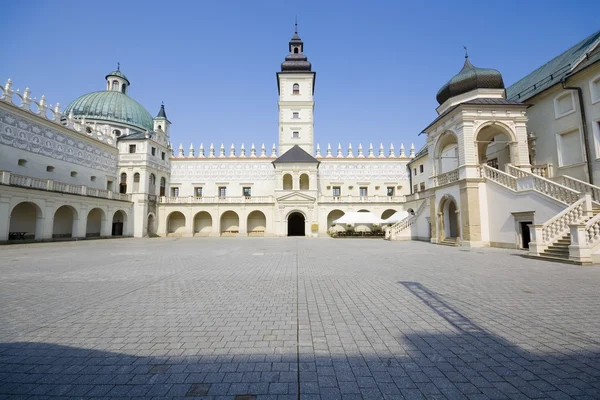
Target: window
x=115, y=86
x=296, y=135
x=222, y=192
x=295, y=50
x=136, y=182
x=73, y=174
x=50, y=168
x=595, y=89
x=493, y=163
x=93, y=178
x=198, y=191
x=295, y=115
x=296, y=88
x=390, y=190
x=117, y=132
x=363, y=191
x=415, y=172
x=415, y=188
x=162, y=156
x=247, y=191
x=123, y=184
x=175, y=192
x=154, y=151
x=570, y=150
x=109, y=185
x=421, y=168
x=132, y=148
x=123, y=88
x=163, y=183
x=22, y=162
x=88, y=129
x=422, y=187
x=336, y=191
x=564, y=105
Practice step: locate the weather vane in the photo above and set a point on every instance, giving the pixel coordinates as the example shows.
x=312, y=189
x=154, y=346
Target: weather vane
x=466, y=53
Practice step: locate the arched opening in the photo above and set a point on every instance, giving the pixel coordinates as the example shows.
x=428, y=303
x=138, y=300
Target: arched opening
x=65, y=223
x=304, y=182
x=287, y=182
x=296, y=224
x=449, y=219
x=257, y=223
x=25, y=222
x=493, y=147
x=295, y=50
x=387, y=213
x=95, y=223
x=230, y=224
x=175, y=223
x=163, y=184
x=151, y=225
x=202, y=224
x=123, y=183
x=115, y=86
x=123, y=88
x=332, y=216
x=363, y=210
x=152, y=185
x=447, y=153
x=119, y=222
x=136, y=182
x=296, y=88
x=410, y=211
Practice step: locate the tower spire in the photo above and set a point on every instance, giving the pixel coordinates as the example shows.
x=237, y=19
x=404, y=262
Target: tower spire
x=296, y=26
x=118, y=66
x=466, y=52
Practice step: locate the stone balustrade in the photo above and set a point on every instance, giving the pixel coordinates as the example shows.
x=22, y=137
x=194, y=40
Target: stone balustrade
x=215, y=199
x=362, y=199
x=10, y=179
x=580, y=186
x=53, y=114
x=447, y=177
x=400, y=227
x=545, y=186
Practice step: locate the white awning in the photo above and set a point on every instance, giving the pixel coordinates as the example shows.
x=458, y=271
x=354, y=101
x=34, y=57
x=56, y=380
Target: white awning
x=359, y=218
x=397, y=217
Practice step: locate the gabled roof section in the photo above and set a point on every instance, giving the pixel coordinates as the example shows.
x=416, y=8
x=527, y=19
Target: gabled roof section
x=553, y=71
x=296, y=155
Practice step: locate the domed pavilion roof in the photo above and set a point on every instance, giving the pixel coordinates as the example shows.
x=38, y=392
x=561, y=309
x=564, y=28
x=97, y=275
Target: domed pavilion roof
x=470, y=78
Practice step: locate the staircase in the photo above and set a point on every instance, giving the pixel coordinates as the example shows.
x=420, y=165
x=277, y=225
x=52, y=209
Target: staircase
x=401, y=230
x=449, y=241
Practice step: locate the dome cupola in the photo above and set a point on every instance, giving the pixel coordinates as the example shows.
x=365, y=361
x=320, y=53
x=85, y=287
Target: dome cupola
x=296, y=61
x=116, y=81
x=470, y=78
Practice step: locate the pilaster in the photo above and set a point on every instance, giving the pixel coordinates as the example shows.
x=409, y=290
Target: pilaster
x=470, y=217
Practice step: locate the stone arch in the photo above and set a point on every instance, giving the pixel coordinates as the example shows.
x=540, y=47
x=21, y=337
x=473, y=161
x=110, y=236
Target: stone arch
x=65, y=221
x=202, y=224
x=230, y=223
x=96, y=219
x=363, y=210
x=296, y=223
x=119, y=223
x=332, y=216
x=175, y=223
x=449, y=218
x=494, y=143
x=446, y=153
x=304, y=182
x=288, y=182
x=151, y=226
x=26, y=217
x=257, y=223
x=388, y=213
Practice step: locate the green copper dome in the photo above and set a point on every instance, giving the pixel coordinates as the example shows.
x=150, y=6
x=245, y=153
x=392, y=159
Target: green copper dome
x=111, y=106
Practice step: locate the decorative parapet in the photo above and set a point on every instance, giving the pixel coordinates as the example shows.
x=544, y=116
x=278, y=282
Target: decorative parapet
x=215, y=200
x=53, y=114
x=10, y=179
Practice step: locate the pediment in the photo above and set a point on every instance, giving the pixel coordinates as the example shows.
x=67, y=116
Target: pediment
x=296, y=197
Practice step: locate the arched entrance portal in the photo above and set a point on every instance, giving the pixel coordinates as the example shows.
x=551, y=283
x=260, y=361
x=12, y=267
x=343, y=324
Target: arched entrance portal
x=449, y=219
x=494, y=144
x=26, y=219
x=95, y=223
x=296, y=225
x=151, y=225
x=118, y=223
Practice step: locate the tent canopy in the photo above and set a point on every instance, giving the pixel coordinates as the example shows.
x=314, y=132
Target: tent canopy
x=359, y=218
x=397, y=217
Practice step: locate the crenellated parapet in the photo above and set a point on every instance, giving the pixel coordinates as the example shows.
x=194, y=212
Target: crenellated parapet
x=233, y=152
x=52, y=113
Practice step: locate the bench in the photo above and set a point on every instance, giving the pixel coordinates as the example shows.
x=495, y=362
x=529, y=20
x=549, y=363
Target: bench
x=16, y=235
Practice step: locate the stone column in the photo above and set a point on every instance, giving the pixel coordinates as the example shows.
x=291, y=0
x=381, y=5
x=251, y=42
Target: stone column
x=243, y=224
x=434, y=219
x=470, y=218
x=4, y=218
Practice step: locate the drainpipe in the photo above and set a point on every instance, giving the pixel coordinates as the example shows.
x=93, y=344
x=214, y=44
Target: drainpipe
x=586, y=140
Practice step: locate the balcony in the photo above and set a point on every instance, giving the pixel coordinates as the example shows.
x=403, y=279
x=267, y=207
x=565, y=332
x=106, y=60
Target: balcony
x=446, y=177
x=362, y=199
x=216, y=200
x=10, y=179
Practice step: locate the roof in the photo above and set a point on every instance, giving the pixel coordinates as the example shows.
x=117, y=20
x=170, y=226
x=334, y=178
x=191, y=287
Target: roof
x=161, y=112
x=553, y=71
x=420, y=154
x=119, y=74
x=296, y=155
x=111, y=106
x=470, y=78
x=477, y=102
x=136, y=136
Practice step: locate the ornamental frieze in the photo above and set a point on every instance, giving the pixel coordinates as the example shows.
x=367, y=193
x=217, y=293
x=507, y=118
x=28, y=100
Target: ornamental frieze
x=215, y=171
x=371, y=171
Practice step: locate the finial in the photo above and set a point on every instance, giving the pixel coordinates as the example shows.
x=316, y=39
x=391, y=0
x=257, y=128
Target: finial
x=370, y=150
x=466, y=52
x=318, y=153
x=296, y=26
x=118, y=66
x=328, y=150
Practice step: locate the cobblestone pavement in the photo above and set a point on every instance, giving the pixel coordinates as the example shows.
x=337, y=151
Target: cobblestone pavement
x=294, y=318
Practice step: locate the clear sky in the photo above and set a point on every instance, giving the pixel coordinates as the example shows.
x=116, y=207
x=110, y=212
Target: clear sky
x=379, y=64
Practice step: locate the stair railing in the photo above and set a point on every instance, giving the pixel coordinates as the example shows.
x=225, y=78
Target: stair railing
x=558, y=226
x=545, y=186
x=406, y=222
x=580, y=186
x=501, y=178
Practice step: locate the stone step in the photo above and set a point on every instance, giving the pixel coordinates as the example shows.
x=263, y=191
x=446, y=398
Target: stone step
x=556, y=253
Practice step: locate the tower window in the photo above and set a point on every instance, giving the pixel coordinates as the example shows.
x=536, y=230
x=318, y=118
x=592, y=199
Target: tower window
x=295, y=115
x=296, y=88
x=50, y=168
x=295, y=50
x=154, y=151
x=117, y=132
x=22, y=162
x=115, y=86
x=123, y=88
x=73, y=174
x=93, y=178
x=296, y=135
x=132, y=148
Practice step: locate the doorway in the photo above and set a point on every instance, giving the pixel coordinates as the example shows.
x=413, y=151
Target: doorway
x=296, y=225
x=525, y=234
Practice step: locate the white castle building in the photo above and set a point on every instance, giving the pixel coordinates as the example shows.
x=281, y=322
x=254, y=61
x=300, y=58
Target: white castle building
x=509, y=167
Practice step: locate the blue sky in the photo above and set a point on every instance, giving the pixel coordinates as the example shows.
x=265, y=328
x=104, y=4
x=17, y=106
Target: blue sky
x=379, y=64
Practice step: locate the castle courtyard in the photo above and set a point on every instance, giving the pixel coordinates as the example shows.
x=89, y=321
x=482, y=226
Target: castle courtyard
x=294, y=318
